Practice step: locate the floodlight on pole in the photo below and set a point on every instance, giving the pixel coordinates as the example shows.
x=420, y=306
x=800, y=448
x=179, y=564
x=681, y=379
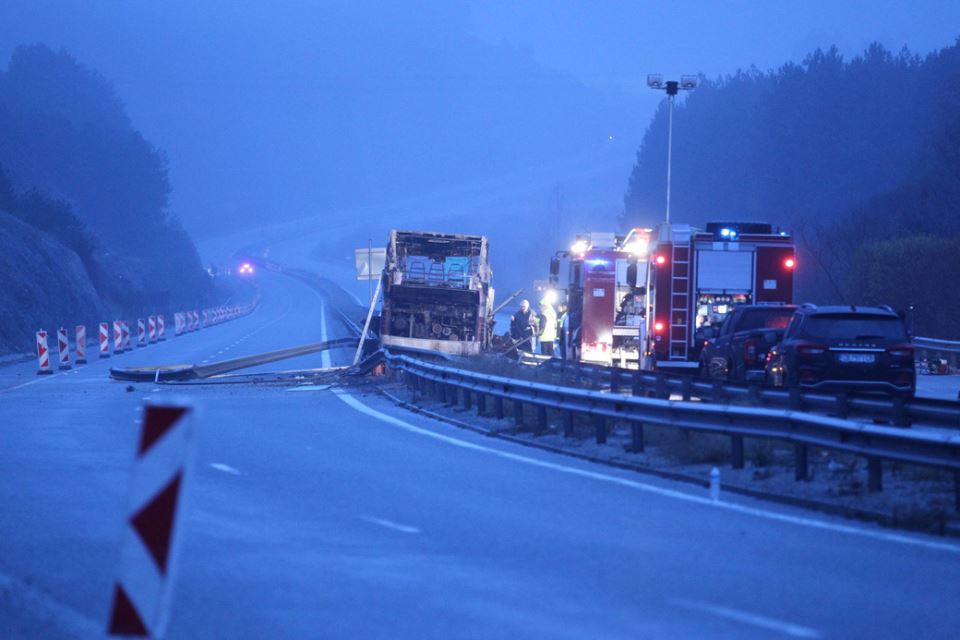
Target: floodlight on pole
x=671, y=87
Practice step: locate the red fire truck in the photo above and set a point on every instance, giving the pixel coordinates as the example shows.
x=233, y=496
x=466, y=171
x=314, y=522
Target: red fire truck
x=697, y=277
x=607, y=296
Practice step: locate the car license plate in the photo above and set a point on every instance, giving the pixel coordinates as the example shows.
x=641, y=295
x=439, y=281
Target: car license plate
x=857, y=358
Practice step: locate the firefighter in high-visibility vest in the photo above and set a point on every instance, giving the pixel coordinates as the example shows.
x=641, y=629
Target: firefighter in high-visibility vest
x=548, y=327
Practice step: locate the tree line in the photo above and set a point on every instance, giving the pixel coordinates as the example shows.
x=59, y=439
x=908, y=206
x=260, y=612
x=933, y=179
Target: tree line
x=73, y=165
x=859, y=158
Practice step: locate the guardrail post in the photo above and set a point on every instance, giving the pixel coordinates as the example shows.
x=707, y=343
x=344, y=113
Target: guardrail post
x=753, y=395
x=481, y=404
x=801, y=466
x=467, y=399
x=636, y=437
x=441, y=392
x=956, y=490
x=518, y=413
x=874, y=474
x=717, y=392
x=900, y=416
x=662, y=392
x=843, y=406
x=796, y=400
x=498, y=407
x=600, y=424
x=686, y=389
x=637, y=388
x=568, y=423
x=541, y=420
x=736, y=451
x=615, y=380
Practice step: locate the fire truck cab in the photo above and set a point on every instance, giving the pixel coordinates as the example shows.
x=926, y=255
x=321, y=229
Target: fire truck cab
x=607, y=296
x=697, y=277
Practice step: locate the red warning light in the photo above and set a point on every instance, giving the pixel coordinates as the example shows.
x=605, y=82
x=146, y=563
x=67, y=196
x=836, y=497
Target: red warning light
x=661, y=259
x=658, y=327
x=789, y=263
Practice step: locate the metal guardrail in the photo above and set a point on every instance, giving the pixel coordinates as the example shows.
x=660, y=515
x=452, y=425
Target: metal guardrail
x=936, y=345
x=803, y=430
x=899, y=411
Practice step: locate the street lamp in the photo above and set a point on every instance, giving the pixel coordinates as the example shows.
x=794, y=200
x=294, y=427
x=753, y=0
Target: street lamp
x=686, y=83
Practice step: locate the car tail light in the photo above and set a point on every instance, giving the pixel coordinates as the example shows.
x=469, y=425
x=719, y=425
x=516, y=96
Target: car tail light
x=661, y=260
x=811, y=349
x=750, y=351
x=901, y=351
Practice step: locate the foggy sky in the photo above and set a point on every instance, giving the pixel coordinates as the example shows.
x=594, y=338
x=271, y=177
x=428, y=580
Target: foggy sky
x=283, y=109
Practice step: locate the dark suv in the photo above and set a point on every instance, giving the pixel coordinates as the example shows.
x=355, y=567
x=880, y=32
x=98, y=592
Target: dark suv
x=846, y=348
x=738, y=350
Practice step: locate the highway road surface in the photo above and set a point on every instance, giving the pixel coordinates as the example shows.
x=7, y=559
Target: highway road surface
x=330, y=513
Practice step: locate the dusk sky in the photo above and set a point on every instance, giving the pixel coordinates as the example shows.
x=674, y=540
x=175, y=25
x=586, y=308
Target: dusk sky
x=288, y=108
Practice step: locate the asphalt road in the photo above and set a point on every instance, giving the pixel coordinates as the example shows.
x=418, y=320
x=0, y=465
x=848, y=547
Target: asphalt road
x=331, y=513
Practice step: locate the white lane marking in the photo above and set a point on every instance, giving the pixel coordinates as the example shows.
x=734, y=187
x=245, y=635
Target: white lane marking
x=204, y=361
x=403, y=528
x=219, y=466
x=763, y=622
x=311, y=387
x=41, y=378
x=803, y=521
x=324, y=355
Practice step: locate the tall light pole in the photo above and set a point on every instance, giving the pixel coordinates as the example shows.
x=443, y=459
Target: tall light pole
x=672, y=87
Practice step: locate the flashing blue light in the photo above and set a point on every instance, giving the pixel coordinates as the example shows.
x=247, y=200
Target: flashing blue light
x=728, y=233
x=596, y=262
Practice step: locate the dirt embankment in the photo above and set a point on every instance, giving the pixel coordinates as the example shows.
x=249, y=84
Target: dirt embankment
x=43, y=284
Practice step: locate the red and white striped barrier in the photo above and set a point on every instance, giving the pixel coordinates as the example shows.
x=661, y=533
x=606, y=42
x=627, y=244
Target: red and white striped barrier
x=43, y=353
x=81, y=335
x=104, y=340
x=205, y=318
x=127, y=340
x=151, y=328
x=148, y=561
x=161, y=330
x=117, y=336
x=177, y=324
x=195, y=320
x=141, y=333
x=64, y=347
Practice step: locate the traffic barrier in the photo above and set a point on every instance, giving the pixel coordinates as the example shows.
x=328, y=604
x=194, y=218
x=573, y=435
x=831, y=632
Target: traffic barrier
x=81, y=335
x=43, y=353
x=143, y=588
x=64, y=347
x=104, y=340
x=161, y=330
x=151, y=328
x=141, y=333
x=118, y=336
x=127, y=346
x=205, y=318
x=196, y=320
x=178, y=323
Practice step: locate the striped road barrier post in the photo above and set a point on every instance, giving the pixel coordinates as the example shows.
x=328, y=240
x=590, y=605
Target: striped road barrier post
x=161, y=329
x=80, y=333
x=43, y=353
x=148, y=560
x=104, y=340
x=151, y=328
x=141, y=333
x=64, y=346
x=118, y=336
x=127, y=340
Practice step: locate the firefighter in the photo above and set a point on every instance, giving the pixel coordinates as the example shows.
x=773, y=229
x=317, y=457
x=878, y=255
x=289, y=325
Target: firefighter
x=563, y=326
x=523, y=326
x=548, y=328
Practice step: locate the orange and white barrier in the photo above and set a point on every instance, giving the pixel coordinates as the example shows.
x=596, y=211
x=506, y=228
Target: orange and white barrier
x=151, y=328
x=43, y=353
x=64, y=348
x=161, y=332
x=118, y=336
x=141, y=333
x=81, y=335
x=142, y=591
x=104, y=340
x=127, y=341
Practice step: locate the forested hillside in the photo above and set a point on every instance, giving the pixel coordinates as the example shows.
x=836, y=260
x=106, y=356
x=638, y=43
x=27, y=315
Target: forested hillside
x=73, y=167
x=859, y=158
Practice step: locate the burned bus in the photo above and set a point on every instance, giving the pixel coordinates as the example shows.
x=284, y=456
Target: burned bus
x=437, y=293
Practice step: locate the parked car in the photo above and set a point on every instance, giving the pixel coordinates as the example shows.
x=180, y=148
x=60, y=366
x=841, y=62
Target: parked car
x=844, y=348
x=738, y=350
